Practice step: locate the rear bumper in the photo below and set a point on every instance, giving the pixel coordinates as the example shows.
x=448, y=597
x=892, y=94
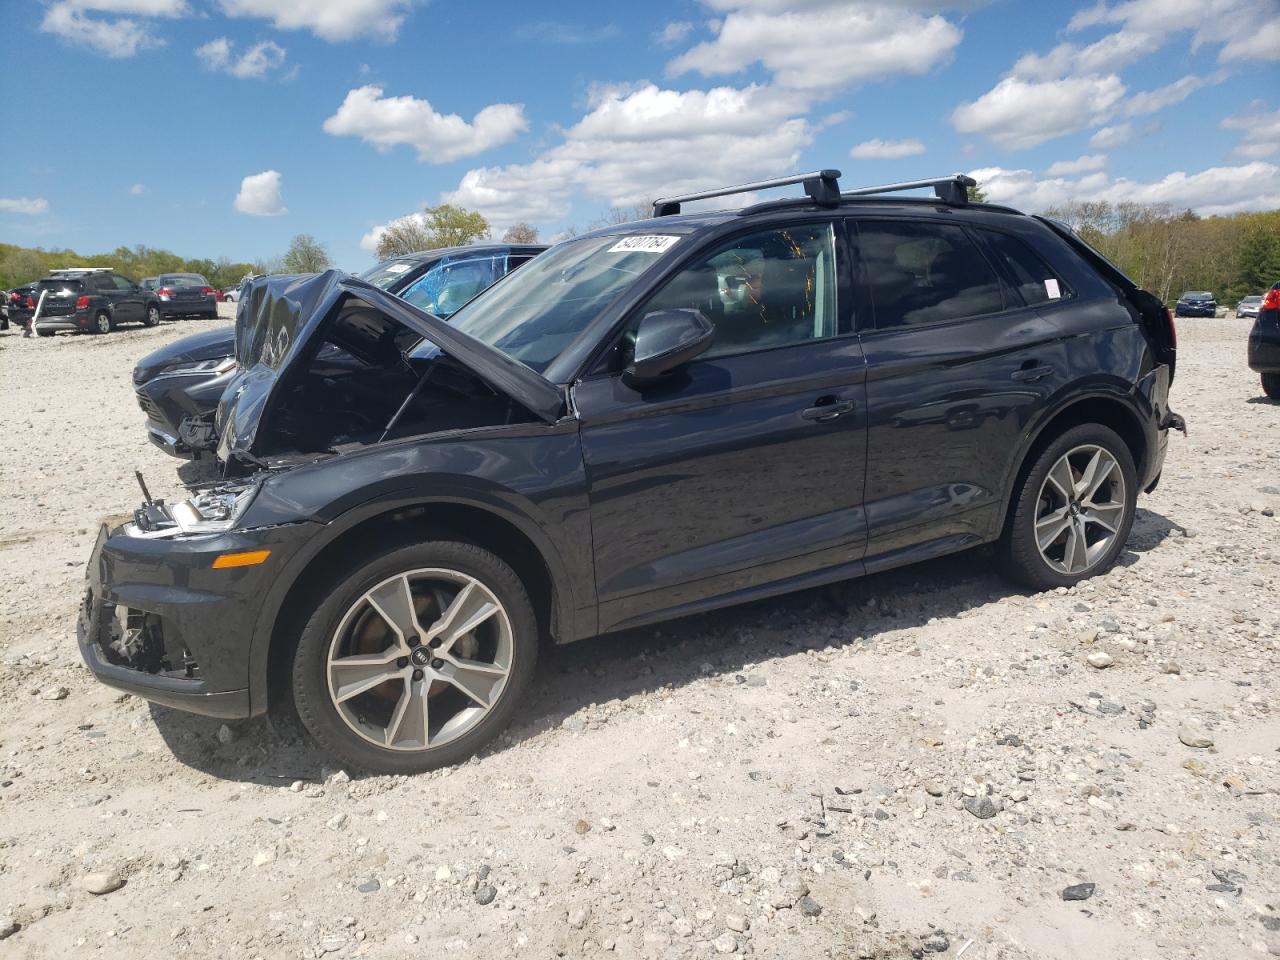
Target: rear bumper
x=59, y=323
x=186, y=308
x=1264, y=350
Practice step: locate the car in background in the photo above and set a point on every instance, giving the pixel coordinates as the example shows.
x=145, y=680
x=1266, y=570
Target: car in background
x=231, y=295
x=1264, y=343
x=1196, y=303
x=185, y=295
x=1248, y=307
x=92, y=300
x=21, y=303
x=178, y=386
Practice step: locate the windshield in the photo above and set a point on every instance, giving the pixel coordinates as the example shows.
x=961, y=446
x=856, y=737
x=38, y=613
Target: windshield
x=536, y=312
x=385, y=274
x=1197, y=295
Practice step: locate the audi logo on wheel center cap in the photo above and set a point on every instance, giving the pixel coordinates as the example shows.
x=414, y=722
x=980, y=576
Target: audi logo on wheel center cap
x=420, y=656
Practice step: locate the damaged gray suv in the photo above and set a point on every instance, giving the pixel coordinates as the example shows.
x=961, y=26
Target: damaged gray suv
x=648, y=421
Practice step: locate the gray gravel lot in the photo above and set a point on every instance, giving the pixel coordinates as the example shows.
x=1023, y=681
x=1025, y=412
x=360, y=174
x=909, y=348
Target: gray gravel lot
x=919, y=763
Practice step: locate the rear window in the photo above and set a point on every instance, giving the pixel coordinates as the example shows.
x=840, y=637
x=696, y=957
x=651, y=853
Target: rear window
x=924, y=273
x=59, y=286
x=183, y=280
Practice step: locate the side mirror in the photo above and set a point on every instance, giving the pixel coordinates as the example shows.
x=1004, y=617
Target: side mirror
x=667, y=339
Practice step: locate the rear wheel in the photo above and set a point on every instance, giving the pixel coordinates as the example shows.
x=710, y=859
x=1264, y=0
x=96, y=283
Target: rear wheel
x=1271, y=385
x=416, y=658
x=152, y=316
x=1072, y=515
x=102, y=322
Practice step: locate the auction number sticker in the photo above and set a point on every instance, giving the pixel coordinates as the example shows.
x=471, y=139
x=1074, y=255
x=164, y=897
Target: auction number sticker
x=1051, y=289
x=653, y=244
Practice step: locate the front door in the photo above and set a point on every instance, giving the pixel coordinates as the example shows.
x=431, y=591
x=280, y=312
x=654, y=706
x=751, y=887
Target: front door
x=958, y=360
x=745, y=468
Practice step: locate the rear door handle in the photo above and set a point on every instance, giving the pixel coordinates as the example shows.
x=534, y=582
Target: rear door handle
x=827, y=408
x=1032, y=374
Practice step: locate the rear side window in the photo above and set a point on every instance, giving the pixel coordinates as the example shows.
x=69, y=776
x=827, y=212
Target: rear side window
x=1030, y=274
x=923, y=273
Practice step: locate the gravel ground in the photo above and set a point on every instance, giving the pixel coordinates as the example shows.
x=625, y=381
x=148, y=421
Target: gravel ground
x=919, y=763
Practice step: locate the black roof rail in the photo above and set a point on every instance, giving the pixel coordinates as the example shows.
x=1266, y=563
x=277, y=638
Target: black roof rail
x=952, y=190
x=822, y=186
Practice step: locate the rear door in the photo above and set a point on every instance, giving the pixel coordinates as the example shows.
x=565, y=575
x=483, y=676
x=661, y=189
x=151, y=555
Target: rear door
x=745, y=468
x=957, y=365
x=125, y=297
x=59, y=297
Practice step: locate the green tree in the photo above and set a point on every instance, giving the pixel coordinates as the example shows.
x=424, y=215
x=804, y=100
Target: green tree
x=442, y=226
x=976, y=193
x=306, y=254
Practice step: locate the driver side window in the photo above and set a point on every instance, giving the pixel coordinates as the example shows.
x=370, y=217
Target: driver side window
x=768, y=289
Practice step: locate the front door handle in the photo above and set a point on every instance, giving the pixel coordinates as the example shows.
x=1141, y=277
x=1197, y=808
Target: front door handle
x=827, y=408
x=1032, y=374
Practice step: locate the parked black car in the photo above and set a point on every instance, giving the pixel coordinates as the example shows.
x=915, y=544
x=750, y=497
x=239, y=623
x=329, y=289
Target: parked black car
x=178, y=386
x=1196, y=303
x=93, y=299
x=185, y=295
x=21, y=303
x=650, y=420
x=1264, y=343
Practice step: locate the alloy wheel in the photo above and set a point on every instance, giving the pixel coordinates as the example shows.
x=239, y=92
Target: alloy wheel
x=1080, y=510
x=419, y=659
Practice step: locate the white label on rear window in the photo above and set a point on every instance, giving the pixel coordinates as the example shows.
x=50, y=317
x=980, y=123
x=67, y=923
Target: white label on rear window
x=1051, y=288
x=654, y=244
x=397, y=268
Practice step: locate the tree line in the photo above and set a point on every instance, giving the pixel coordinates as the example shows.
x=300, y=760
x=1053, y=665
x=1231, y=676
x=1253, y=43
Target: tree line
x=1167, y=251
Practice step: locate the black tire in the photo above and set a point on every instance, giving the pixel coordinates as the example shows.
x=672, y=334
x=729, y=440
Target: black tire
x=1271, y=385
x=309, y=682
x=210, y=316
x=151, y=317
x=102, y=322
x=1017, y=553
x=45, y=333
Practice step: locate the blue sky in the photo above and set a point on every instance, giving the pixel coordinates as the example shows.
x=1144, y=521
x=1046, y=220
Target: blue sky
x=224, y=127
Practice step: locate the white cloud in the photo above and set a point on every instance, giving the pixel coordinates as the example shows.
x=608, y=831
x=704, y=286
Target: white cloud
x=137, y=190
x=386, y=122
x=257, y=61
x=1108, y=138
x=1107, y=55
x=1247, y=29
x=1018, y=113
x=637, y=144
x=878, y=149
x=119, y=38
x=1217, y=190
x=259, y=195
x=1085, y=164
x=1261, y=136
x=332, y=20
x=29, y=206
x=822, y=49
x=674, y=33
x=1149, y=101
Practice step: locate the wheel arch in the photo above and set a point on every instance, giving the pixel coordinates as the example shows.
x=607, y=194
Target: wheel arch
x=1108, y=409
x=382, y=525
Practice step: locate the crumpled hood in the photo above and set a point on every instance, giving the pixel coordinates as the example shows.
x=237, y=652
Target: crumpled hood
x=279, y=316
x=205, y=345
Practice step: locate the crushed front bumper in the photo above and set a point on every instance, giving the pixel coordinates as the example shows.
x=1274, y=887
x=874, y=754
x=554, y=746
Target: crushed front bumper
x=158, y=621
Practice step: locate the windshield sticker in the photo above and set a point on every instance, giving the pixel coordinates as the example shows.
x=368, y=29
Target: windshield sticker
x=1051, y=288
x=653, y=244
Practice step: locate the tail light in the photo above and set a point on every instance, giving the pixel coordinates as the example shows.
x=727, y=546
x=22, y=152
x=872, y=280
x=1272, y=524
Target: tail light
x=82, y=303
x=1173, y=329
x=31, y=303
x=1272, y=300
x=206, y=291
x=164, y=293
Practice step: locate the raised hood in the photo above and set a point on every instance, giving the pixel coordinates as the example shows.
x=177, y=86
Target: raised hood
x=278, y=316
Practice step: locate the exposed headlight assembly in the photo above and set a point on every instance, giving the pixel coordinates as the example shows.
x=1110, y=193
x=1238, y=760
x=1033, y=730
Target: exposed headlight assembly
x=215, y=509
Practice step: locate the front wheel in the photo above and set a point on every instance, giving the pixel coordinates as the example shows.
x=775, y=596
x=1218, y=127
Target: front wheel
x=1271, y=385
x=416, y=658
x=1071, y=516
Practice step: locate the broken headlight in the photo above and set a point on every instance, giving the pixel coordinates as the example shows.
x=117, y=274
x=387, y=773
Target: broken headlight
x=215, y=509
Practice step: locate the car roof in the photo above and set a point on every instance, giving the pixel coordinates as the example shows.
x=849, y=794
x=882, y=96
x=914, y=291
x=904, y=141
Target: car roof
x=475, y=248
